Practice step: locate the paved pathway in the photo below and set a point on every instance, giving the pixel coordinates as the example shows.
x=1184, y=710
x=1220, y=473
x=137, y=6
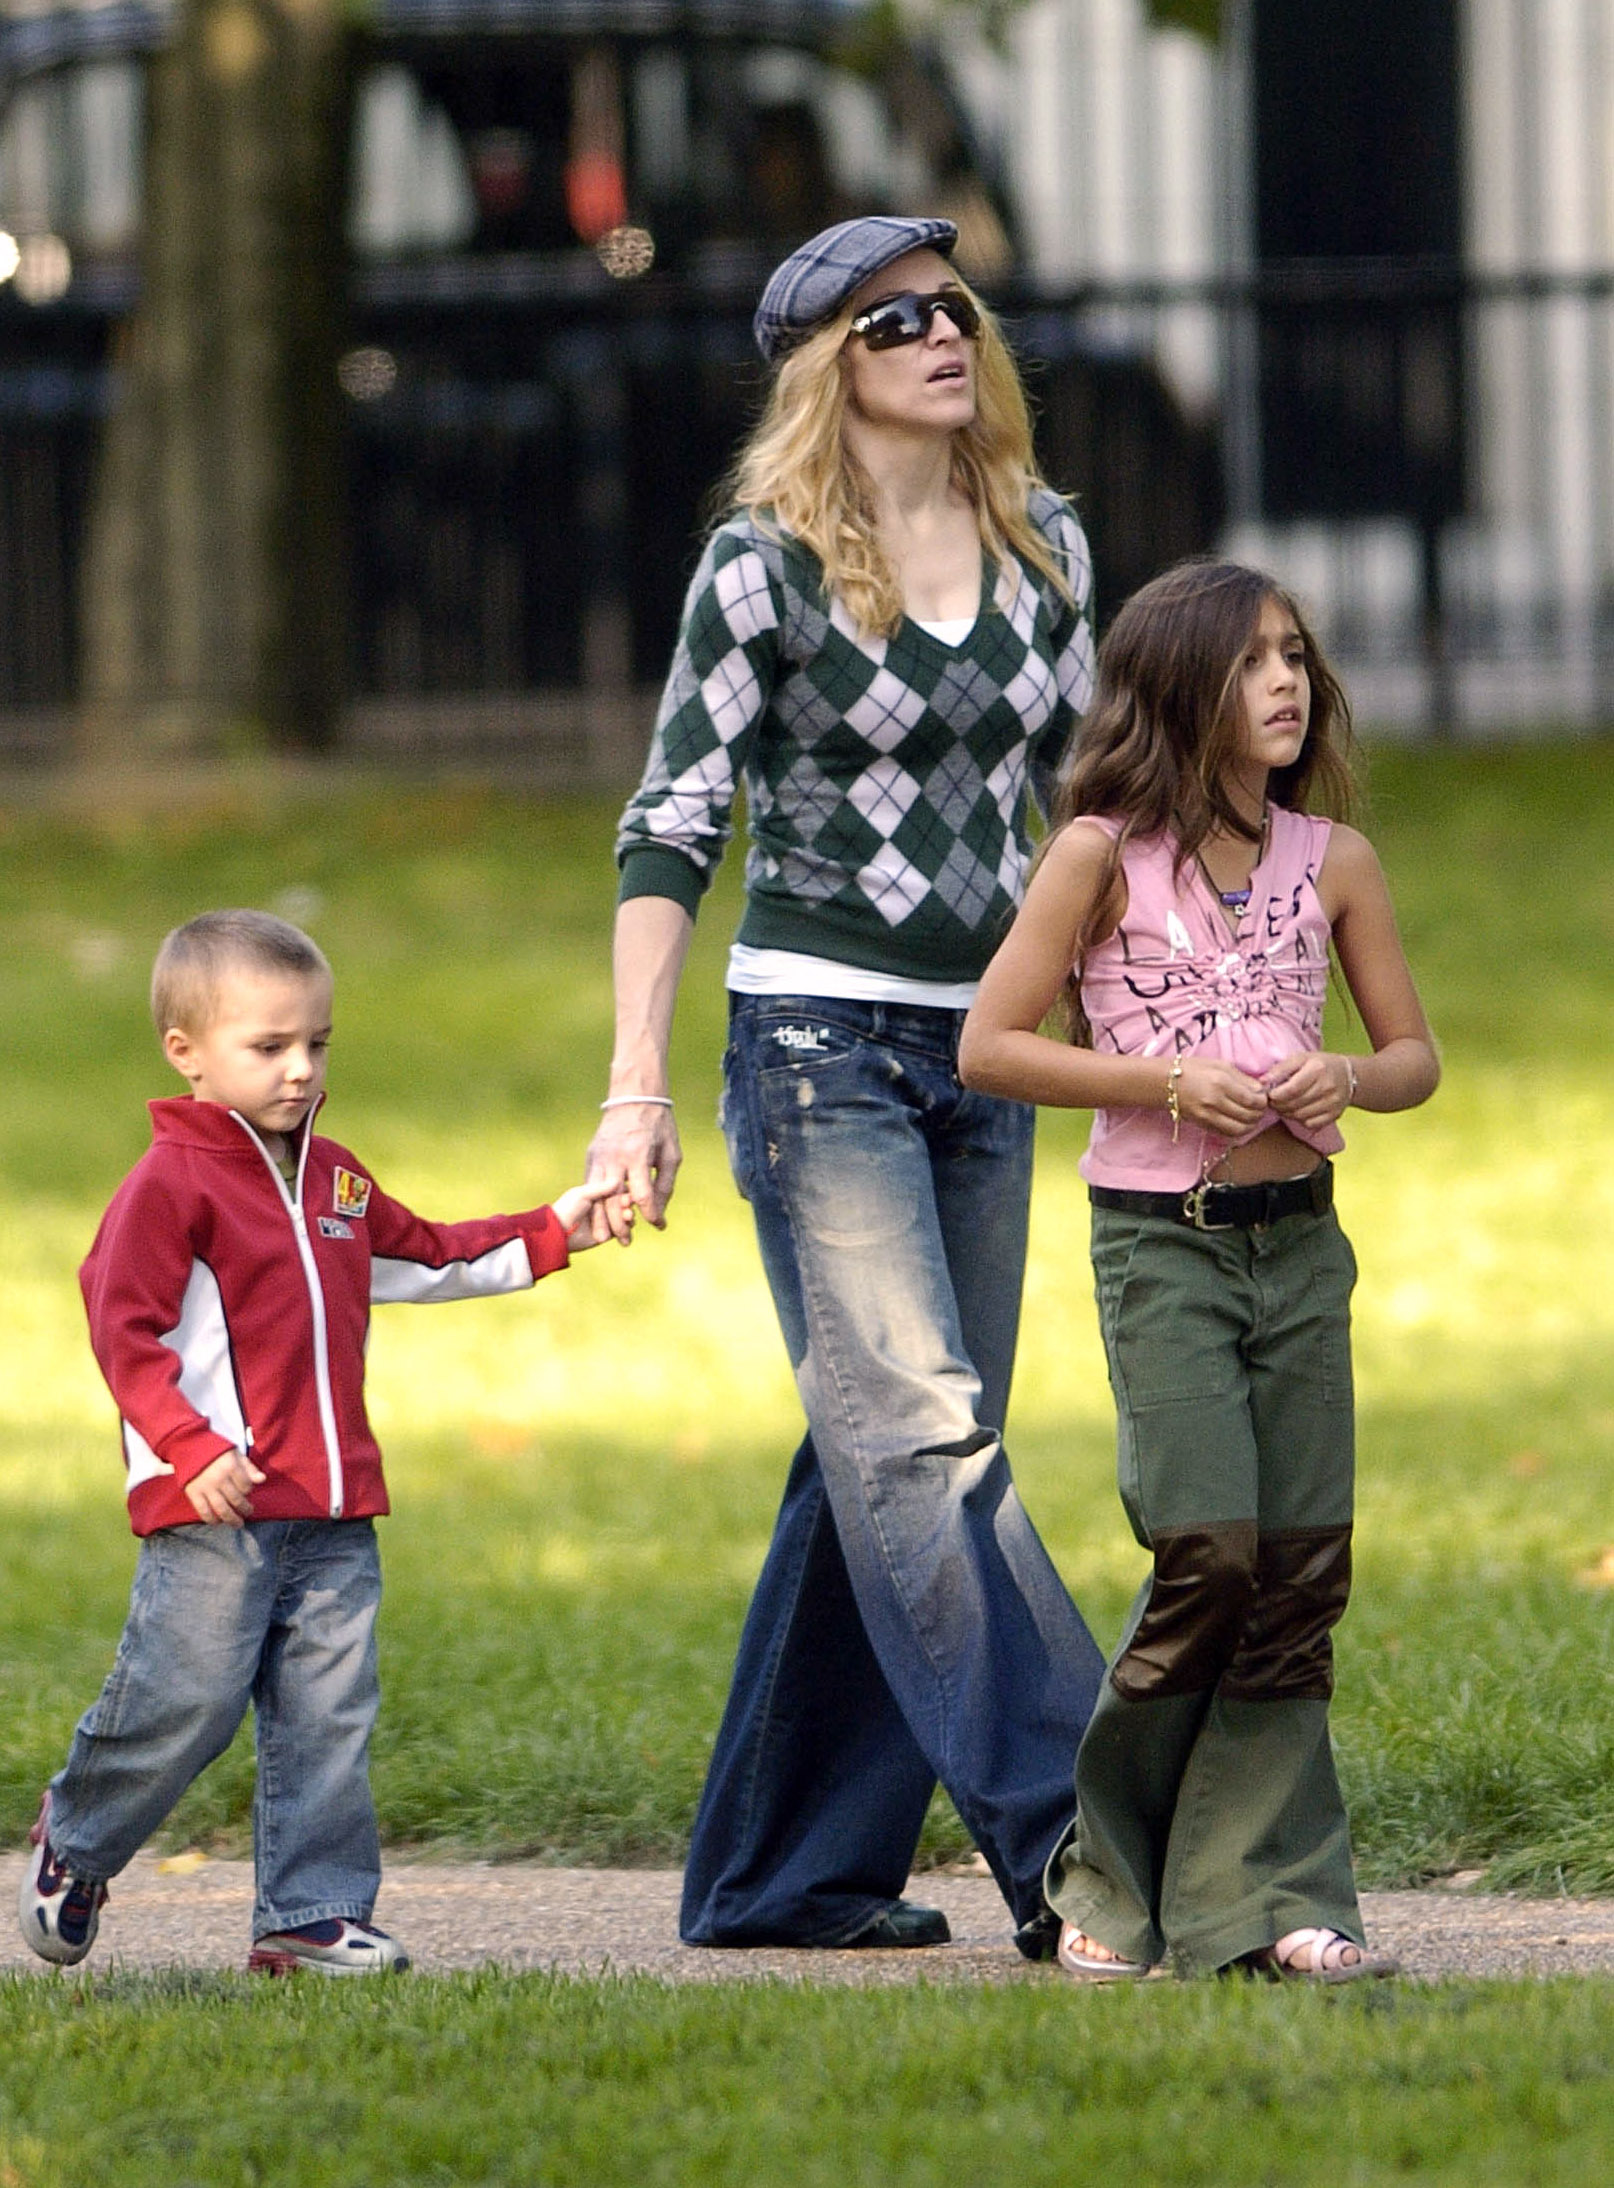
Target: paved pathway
x=518, y=1915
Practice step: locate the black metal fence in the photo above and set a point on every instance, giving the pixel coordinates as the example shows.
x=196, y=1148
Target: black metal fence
x=527, y=484
x=527, y=479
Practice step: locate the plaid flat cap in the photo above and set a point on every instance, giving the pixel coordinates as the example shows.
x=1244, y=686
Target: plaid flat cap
x=815, y=281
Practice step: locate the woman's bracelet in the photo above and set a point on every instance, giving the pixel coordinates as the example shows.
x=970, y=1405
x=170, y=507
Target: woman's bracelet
x=621, y=1101
x=1172, y=1103
x=1350, y=1091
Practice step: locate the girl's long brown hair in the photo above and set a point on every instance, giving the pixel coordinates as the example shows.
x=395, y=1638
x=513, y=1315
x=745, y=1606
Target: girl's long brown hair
x=1157, y=746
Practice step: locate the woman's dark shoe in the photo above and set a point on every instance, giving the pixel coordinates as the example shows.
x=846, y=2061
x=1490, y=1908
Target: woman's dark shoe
x=902, y=1924
x=1038, y=1938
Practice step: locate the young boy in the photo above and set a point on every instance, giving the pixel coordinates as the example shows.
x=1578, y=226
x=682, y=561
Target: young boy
x=229, y=1292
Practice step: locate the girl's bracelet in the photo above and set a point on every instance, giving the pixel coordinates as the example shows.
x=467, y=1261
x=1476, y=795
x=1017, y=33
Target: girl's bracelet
x=1173, y=1076
x=623, y=1101
x=1350, y=1092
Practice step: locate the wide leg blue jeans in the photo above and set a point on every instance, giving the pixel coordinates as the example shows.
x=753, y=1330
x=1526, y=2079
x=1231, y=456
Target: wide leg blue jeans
x=907, y=1624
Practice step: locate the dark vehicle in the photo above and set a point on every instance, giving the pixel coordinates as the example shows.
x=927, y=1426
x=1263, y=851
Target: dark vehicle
x=560, y=218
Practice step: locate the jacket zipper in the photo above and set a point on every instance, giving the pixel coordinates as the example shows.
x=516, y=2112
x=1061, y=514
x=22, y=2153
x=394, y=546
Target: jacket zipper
x=316, y=1301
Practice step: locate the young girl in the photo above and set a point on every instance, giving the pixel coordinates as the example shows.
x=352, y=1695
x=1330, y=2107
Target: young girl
x=1189, y=901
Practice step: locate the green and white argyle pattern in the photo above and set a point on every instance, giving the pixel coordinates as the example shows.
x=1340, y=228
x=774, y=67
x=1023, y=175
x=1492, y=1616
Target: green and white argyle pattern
x=886, y=780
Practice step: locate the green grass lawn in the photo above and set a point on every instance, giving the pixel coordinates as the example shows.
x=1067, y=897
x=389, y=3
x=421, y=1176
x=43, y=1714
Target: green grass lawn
x=584, y=1477
x=218, y=2083
x=584, y=1481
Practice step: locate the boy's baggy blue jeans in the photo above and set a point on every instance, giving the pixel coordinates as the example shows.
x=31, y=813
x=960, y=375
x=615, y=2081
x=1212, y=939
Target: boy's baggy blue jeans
x=278, y=1613
x=907, y=1624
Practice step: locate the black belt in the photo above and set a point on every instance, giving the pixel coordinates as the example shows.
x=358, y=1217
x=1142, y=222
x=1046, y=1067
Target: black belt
x=1227, y=1207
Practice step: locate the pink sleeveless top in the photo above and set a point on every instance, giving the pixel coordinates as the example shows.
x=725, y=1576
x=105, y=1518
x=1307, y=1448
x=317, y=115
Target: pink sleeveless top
x=1176, y=977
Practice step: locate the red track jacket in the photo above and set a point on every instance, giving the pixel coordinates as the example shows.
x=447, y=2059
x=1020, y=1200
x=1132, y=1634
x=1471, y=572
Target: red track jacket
x=228, y=1310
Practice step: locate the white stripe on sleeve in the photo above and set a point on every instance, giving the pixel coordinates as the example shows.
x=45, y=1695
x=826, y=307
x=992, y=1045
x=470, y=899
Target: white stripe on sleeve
x=506, y=1268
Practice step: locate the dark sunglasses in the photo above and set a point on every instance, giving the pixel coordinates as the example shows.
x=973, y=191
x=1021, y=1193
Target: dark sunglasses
x=906, y=318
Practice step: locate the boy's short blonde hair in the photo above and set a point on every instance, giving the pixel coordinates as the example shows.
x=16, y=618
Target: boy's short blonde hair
x=195, y=958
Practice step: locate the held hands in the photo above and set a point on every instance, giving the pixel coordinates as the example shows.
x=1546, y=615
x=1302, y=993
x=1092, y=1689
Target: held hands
x=221, y=1493
x=636, y=1152
x=1311, y=1087
x=577, y=1211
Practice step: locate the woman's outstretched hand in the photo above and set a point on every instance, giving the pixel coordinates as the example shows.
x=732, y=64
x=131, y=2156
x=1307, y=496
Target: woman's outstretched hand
x=636, y=1145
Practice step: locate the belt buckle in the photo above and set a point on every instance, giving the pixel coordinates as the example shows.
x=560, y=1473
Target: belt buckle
x=1193, y=1208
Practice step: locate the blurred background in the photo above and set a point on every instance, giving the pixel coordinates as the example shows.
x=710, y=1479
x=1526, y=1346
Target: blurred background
x=366, y=365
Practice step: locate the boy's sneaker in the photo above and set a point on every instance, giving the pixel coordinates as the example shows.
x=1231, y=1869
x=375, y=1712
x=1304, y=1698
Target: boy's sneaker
x=58, y=1912
x=336, y=1947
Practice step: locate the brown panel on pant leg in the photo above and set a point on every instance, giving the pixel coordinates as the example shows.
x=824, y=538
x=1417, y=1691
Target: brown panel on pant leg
x=1302, y=1584
x=1199, y=1600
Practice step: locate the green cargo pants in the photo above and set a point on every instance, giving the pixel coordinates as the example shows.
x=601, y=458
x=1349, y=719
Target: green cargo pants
x=1209, y=1819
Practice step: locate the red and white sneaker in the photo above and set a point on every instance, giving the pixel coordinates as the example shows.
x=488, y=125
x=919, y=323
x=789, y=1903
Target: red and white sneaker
x=334, y=1947
x=57, y=1912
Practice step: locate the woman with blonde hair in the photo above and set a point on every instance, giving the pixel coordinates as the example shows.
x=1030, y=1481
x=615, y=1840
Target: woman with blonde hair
x=887, y=643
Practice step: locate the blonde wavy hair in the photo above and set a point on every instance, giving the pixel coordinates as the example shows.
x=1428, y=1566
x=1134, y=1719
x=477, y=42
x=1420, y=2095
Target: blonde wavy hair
x=796, y=474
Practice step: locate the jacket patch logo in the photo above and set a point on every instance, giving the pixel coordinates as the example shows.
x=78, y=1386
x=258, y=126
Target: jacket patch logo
x=334, y=1227
x=351, y=1193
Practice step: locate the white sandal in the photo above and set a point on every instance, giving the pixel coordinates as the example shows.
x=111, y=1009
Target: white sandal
x=1077, y=1957
x=1321, y=1956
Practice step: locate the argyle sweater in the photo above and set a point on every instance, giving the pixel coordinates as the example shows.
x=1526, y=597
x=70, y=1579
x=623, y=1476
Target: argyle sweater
x=886, y=779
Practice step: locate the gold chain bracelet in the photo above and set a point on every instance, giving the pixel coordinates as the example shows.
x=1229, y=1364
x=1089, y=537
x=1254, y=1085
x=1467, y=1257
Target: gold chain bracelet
x=1172, y=1102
